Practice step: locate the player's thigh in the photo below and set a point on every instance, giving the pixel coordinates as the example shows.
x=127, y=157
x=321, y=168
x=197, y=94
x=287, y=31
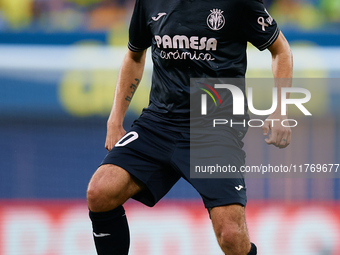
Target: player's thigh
x=111, y=185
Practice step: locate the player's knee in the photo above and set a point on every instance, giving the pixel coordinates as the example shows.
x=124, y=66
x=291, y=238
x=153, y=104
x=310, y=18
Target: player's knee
x=231, y=238
x=110, y=187
x=102, y=194
x=96, y=198
x=226, y=237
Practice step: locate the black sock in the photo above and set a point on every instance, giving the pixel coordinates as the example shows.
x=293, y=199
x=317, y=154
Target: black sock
x=111, y=232
x=253, y=250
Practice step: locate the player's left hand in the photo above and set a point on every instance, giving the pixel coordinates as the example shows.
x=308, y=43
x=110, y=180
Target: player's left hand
x=278, y=135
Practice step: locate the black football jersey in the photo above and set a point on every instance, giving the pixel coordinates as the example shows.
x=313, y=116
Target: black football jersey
x=196, y=39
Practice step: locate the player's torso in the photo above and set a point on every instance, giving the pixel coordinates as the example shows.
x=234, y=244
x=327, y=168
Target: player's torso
x=191, y=39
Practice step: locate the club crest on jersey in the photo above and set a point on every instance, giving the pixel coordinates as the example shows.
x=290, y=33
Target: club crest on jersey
x=215, y=20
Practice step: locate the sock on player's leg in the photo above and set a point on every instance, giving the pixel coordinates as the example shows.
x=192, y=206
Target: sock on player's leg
x=253, y=250
x=111, y=232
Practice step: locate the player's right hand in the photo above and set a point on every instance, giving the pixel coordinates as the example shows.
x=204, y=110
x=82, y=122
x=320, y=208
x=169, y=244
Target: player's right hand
x=113, y=135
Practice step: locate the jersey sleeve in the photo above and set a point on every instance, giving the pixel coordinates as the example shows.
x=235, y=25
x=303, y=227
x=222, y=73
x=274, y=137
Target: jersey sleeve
x=139, y=32
x=258, y=27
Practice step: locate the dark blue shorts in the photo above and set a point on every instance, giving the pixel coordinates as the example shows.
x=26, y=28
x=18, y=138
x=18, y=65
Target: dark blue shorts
x=159, y=156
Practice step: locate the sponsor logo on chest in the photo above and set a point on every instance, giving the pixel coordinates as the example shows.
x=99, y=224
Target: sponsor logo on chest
x=198, y=47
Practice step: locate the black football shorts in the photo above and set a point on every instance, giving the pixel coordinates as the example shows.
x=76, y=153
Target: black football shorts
x=159, y=157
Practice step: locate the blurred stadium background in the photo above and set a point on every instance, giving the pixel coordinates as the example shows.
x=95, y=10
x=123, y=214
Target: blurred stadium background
x=59, y=61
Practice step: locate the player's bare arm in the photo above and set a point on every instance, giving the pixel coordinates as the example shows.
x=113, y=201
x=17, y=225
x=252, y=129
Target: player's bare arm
x=128, y=80
x=282, y=67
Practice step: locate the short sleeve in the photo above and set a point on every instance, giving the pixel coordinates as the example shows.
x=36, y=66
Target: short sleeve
x=258, y=27
x=139, y=33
